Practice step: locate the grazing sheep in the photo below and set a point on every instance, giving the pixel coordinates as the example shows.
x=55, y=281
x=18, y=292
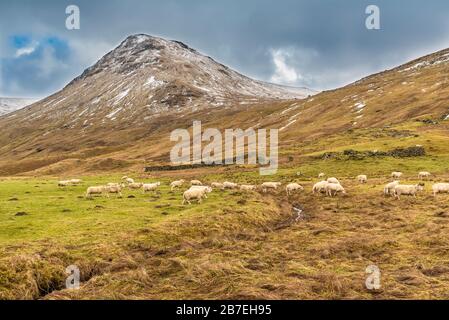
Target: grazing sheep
x=362, y=178
x=440, y=188
x=396, y=175
x=408, y=190
x=292, y=188
x=64, y=183
x=196, y=183
x=205, y=188
x=114, y=184
x=332, y=189
x=217, y=185
x=321, y=176
x=424, y=174
x=389, y=188
x=246, y=187
x=320, y=187
x=96, y=190
x=150, y=187
x=135, y=186
x=177, y=184
x=230, y=185
x=192, y=194
x=76, y=181
x=333, y=180
x=117, y=189
x=270, y=186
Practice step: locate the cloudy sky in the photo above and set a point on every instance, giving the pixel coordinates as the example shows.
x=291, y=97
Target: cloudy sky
x=320, y=44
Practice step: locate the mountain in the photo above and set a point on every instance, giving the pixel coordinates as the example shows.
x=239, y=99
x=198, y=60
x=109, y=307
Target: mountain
x=8, y=105
x=119, y=113
x=146, y=76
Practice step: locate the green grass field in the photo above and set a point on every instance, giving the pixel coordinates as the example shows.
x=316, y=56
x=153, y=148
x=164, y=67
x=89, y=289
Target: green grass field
x=232, y=246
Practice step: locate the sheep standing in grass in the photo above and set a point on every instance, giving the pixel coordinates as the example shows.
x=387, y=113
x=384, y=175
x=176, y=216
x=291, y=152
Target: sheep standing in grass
x=270, y=186
x=76, y=181
x=332, y=189
x=96, y=190
x=135, y=186
x=396, y=175
x=64, y=183
x=177, y=184
x=114, y=184
x=150, y=187
x=440, y=188
x=196, y=183
x=246, y=187
x=230, y=185
x=217, y=185
x=408, y=190
x=117, y=189
x=206, y=189
x=389, y=188
x=194, y=194
x=292, y=188
x=333, y=180
x=320, y=187
x=362, y=179
x=424, y=175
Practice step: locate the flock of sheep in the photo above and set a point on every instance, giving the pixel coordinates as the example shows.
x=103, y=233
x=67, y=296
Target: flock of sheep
x=198, y=191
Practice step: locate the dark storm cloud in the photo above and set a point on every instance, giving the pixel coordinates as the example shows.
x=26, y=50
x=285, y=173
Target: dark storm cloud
x=317, y=43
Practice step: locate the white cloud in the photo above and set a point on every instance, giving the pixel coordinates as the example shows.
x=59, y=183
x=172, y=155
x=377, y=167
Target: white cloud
x=27, y=50
x=284, y=72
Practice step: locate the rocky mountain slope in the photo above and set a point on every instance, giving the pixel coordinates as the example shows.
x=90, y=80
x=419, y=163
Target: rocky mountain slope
x=8, y=105
x=120, y=112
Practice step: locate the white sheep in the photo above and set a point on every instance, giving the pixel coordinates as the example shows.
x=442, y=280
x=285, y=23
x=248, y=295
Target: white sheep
x=396, y=175
x=424, y=174
x=76, y=181
x=362, y=178
x=135, y=185
x=96, y=190
x=440, y=188
x=246, y=187
x=389, y=188
x=230, y=185
x=114, y=184
x=177, y=184
x=150, y=187
x=320, y=187
x=65, y=183
x=116, y=189
x=333, y=180
x=321, y=175
x=206, y=189
x=292, y=188
x=192, y=194
x=196, y=183
x=408, y=190
x=270, y=186
x=332, y=189
x=217, y=185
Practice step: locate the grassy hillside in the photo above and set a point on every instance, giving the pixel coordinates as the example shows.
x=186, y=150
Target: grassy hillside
x=235, y=245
